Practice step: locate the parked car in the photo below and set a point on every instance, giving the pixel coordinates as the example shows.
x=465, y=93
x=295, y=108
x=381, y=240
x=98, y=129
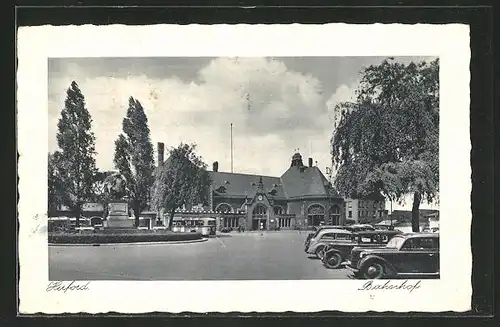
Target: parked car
x=326, y=236
x=336, y=253
x=319, y=229
x=405, y=255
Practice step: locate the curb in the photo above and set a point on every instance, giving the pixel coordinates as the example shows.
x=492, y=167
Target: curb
x=135, y=243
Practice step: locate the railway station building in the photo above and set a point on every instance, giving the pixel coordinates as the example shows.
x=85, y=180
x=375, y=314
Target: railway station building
x=301, y=197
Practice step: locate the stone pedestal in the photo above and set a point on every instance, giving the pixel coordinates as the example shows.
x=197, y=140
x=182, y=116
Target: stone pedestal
x=118, y=216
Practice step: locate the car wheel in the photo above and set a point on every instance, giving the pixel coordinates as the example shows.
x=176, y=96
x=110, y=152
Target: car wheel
x=332, y=260
x=320, y=252
x=373, y=270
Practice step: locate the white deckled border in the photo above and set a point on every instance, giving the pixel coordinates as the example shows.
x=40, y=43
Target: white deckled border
x=449, y=42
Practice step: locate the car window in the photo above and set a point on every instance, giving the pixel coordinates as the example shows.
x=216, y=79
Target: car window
x=429, y=243
x=343, y=236
x=395, y=242
x=416, y=244
x=327, y=236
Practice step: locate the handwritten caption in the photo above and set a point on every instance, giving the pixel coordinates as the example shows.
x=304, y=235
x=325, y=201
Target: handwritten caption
x=67, y=286
x=38, y=228
x=405, y=285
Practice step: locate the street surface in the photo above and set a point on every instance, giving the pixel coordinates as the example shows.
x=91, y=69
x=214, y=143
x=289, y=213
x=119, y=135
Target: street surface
x=233, y=256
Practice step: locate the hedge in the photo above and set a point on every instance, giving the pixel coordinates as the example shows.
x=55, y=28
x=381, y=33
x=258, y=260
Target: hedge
x=97, y=238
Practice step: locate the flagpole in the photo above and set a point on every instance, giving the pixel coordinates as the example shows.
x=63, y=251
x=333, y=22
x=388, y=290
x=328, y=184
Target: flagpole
x=231, y=147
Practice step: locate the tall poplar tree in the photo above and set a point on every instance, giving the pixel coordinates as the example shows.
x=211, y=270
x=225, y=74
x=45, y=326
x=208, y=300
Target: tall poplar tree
x=134, y=157
x=76, y=158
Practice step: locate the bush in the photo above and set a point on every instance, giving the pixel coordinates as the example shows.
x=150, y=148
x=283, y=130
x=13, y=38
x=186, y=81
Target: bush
x=98, y=238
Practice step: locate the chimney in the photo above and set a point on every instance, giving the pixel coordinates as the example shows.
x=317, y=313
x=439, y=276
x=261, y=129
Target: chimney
x=215, y=166
x=310, y=162
x=161, y=153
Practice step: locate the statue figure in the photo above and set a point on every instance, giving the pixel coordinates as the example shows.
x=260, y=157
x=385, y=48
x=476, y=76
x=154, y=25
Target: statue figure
x=115, y=187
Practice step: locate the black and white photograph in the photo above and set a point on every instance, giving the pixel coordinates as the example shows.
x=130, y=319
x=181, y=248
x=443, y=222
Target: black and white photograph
x=231, y=164
x=243, y=168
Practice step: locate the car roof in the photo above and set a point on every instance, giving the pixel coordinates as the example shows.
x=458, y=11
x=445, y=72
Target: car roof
x=376, y=232
x=419, y=235
x=335, y=230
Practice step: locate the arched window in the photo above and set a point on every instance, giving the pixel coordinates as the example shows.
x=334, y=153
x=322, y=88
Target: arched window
x=224, y=208
x=315, y=215
x=335, y=215
x=259, y=210
x=278, y=210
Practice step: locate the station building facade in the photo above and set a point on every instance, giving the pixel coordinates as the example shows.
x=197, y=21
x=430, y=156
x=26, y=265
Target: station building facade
x=301, y=197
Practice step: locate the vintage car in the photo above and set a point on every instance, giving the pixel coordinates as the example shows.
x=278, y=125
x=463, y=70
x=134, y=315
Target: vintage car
x=319, y=229
x=336, y=253
x=325, y=237
x=406, y=255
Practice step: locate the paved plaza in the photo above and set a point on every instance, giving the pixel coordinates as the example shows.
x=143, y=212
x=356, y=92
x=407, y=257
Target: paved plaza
x=247, y=256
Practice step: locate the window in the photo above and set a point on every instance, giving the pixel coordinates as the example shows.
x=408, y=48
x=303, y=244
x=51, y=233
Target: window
x=328, y=236
x=416, y=244
x=430, y=243
x=335, y=215
x=259, y=210
x=224, y=208
x=343, y=237
x=315, y=215
x=350, y=214
x=278, y=210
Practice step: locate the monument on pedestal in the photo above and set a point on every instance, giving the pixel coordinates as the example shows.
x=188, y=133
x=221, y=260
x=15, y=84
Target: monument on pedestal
x=118, y=213
x=118, y=216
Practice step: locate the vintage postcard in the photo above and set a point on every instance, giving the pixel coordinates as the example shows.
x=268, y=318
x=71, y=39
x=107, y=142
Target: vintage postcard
x=244, y=168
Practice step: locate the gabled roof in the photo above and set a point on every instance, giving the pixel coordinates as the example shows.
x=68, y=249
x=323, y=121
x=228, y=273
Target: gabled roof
x=303, y=181
x=244, y=185
x=297, y=182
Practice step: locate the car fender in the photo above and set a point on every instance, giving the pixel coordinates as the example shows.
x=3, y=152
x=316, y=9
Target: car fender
x=333, y=250
x=372, y=257
x=316, y=245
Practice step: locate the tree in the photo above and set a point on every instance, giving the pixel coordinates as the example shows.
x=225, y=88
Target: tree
x=388, y=140
x=55, y=198
x=181, y=180
x=134, y=157
x=75, y=162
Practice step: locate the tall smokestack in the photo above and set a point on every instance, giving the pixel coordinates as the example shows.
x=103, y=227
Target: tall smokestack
x=161, y=153
x=310, y=162
x=215, y=166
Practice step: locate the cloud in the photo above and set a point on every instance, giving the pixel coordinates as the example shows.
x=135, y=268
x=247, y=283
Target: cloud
x=274, y=110
x=343, y=93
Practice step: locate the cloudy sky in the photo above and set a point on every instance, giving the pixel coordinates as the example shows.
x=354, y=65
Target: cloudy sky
x=276, y=105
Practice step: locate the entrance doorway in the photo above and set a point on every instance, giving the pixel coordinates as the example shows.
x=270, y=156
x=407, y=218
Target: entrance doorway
x=315, y=215
x=259, y=217
x=256, y=224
